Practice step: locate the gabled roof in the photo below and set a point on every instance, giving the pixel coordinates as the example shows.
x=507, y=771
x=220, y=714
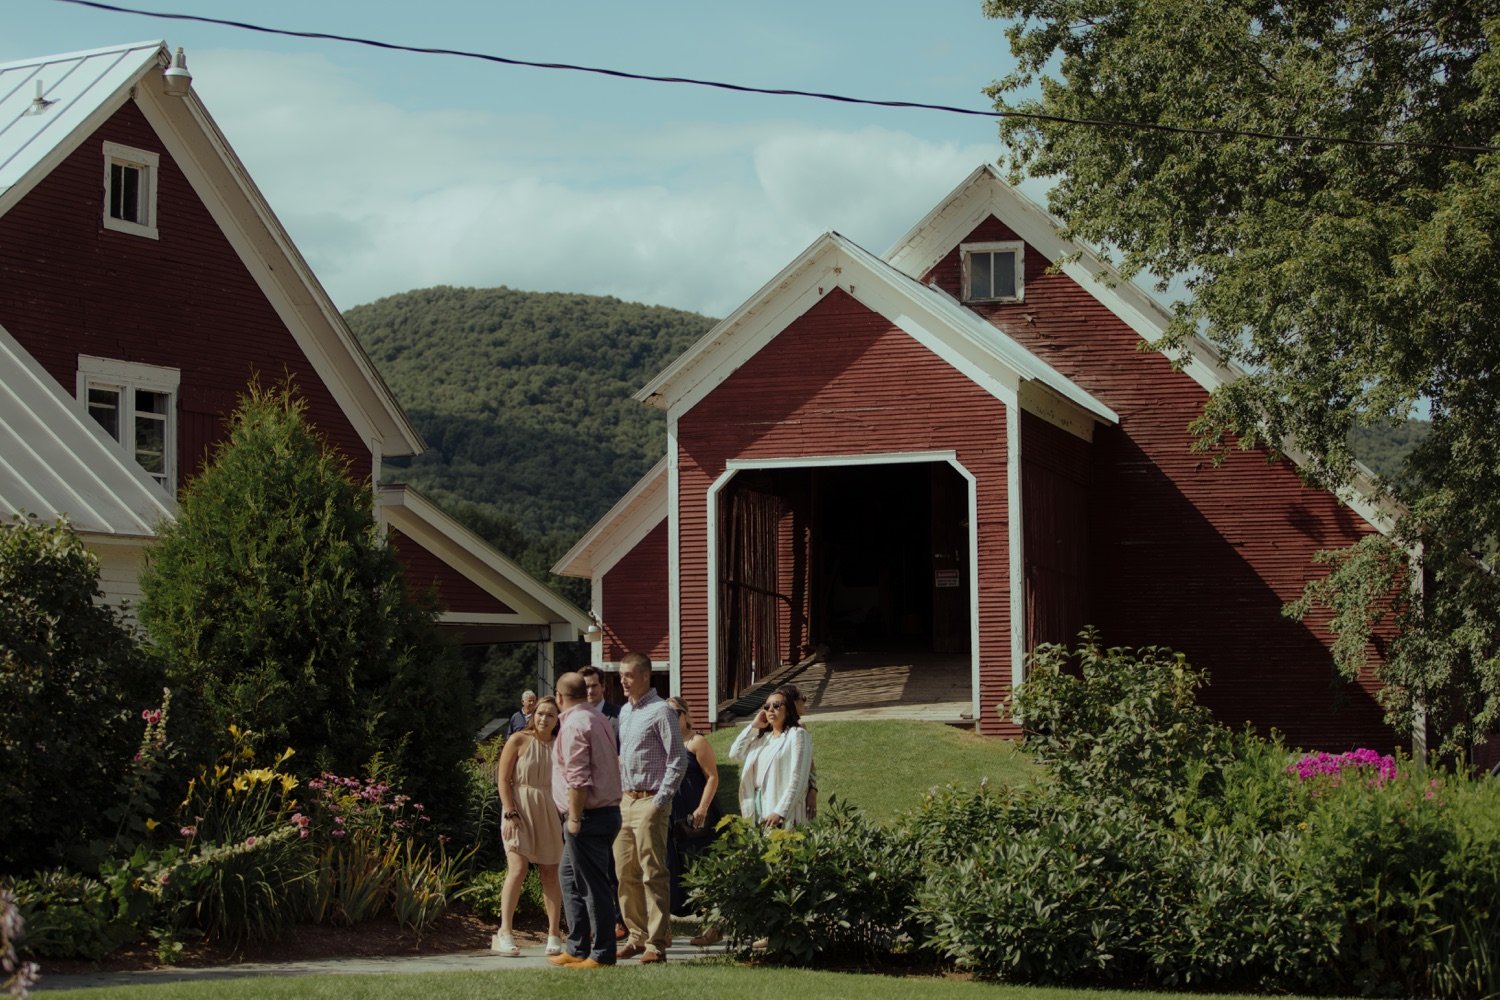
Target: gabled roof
x=535, y=604
x=984, y=193
x=980, y=350
x=617, y=532
x=57, y=462
x=75, y=88
x=80, y=91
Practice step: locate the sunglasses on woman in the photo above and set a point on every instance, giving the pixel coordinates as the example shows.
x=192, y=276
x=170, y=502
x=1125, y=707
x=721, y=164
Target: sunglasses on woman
x=772, y=706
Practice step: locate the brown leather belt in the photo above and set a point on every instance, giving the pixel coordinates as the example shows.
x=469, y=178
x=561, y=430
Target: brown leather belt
x=639, y=793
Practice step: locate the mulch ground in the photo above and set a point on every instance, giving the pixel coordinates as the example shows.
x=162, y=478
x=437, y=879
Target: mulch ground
x=456, y=930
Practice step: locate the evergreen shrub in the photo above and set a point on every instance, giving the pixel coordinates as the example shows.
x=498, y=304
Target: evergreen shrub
x=839, y=888
x=277, y=606
x=73, y=685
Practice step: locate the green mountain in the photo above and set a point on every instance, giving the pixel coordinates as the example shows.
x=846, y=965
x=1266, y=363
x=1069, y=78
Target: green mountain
x=525, y=401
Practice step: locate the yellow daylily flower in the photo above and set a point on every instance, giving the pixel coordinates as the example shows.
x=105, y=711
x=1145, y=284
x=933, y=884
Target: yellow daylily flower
x=286, y=755
x=151, y=824
x=288, y=782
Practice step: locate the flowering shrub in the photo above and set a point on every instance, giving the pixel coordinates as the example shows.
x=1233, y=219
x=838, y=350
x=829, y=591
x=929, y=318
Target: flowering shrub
x=18, y=976
x=1381, y=768
x=370, y=855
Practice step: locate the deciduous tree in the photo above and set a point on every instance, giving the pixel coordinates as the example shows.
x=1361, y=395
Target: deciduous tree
x=1354, y=280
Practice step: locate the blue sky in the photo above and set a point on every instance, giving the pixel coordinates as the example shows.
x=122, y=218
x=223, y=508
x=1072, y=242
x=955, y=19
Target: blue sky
x=395, y=171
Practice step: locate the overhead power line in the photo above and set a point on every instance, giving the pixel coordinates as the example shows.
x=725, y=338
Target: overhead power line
x=785, y=92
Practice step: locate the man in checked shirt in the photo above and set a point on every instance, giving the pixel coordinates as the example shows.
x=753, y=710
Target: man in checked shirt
x=652, y=762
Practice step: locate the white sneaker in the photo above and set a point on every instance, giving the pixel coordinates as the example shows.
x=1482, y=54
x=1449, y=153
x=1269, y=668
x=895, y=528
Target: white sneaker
x=504, y=944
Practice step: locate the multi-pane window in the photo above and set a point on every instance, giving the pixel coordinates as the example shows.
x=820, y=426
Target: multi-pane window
x=993, y=271
x=134, y=403
x=130, y=189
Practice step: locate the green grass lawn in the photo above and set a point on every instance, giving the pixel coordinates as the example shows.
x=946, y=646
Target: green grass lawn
x=886, y=766
x=674, y=982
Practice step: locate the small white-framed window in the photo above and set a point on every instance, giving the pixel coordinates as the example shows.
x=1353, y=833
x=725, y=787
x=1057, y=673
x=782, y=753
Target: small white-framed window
x=994, y=272
x=130, y=189
x=136, y=404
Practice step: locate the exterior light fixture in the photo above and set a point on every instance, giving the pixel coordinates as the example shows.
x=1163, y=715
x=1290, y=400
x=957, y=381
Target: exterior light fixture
x=595, y=631
x=177, y=77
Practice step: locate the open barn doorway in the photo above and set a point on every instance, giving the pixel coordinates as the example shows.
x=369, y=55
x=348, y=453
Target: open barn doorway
x=868, y=561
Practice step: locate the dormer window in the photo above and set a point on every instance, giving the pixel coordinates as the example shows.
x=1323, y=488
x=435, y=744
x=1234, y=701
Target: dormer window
x=136, y=405
x=993, y=272
x=130, y=190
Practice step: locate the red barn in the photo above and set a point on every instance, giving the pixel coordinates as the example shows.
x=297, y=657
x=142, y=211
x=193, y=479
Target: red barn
x=144, y=281
x=949, y=455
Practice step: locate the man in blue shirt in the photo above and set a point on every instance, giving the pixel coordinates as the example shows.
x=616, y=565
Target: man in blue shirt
x=652, y=763
x=522, y=719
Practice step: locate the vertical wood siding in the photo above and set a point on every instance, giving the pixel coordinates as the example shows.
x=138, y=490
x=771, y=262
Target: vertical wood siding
x=1055, y=469
x=68, y=286
x=843, y=380
x=1185, y=553
x=635, y=602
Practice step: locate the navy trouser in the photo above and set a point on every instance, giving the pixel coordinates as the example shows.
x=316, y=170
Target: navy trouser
x=587, y=873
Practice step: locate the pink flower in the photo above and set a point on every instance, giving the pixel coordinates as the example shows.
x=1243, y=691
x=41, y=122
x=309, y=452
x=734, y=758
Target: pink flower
x=189, y=831
x=338, y=833
x=249, y=841
x=164, y=878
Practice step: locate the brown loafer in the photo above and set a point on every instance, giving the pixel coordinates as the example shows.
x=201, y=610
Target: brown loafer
x=629, y=950
x=710, y=937
x=621, y=932
x=564, y=959
x=653, y=956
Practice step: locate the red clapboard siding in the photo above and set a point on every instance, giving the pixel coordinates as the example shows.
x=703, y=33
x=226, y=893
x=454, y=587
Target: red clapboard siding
x=68, y=287
x=843, y=380
x=1184, y=553
x=635, y=602
x=455, y=592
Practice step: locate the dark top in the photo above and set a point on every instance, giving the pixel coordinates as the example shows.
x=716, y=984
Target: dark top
x=518, y=722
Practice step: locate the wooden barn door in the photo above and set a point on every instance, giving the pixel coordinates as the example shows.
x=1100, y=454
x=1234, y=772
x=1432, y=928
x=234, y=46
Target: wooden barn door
x=950, y=561
x=749, y=592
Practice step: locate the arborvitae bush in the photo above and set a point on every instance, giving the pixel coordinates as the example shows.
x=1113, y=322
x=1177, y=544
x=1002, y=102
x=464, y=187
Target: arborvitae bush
x=72, y=687
x=277, y=606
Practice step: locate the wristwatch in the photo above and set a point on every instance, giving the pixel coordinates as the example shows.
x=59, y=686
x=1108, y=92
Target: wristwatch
x=512, y=815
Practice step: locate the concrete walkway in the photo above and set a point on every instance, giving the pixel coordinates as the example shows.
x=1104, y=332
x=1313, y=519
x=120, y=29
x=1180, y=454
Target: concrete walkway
x=458, y=961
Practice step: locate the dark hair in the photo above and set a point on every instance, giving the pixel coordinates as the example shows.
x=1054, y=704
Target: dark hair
x=591, y=671
x=545, y=699
x=788, y=693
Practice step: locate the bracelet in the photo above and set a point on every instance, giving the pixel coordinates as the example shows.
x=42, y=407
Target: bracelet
x=512, y=815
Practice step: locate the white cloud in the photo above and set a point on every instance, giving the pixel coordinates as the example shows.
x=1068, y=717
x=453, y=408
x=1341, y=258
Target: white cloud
x=383, y=198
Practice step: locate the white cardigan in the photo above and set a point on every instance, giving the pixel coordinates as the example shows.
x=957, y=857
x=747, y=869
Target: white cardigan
x=777, y=768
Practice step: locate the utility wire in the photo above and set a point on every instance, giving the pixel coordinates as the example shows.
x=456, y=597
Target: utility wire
x=816, y=95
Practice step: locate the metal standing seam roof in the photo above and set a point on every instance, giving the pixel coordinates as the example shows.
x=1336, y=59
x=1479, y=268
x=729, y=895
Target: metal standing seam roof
x=56, y=462
x=73, y=86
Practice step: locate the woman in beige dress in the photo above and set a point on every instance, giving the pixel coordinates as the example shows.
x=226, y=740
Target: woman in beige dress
x=530, y=828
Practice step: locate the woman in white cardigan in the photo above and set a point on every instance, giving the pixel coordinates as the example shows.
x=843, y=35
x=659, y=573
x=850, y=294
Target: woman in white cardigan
x=777, y=753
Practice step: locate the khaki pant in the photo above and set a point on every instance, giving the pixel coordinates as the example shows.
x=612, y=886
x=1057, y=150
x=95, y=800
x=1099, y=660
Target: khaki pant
x=641, y=866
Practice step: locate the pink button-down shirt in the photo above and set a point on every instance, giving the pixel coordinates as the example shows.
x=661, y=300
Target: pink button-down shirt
x=584, y=756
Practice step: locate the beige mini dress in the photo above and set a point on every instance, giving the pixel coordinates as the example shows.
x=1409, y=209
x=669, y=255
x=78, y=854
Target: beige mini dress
x=537, y=835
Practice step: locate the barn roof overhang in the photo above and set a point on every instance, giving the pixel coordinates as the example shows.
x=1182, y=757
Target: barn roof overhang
x=621, y=529
x=980, y=350
x=538, y=613
x=55, y=461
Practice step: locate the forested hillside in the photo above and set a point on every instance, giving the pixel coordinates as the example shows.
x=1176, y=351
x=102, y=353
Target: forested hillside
x=525, y=401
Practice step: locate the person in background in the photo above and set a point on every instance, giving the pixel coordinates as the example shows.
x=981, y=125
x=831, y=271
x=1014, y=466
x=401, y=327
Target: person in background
x=530, y=828
x=652, y=763
x=778, y=758
x=695, y=813
x=586, y=790
x=522, y=719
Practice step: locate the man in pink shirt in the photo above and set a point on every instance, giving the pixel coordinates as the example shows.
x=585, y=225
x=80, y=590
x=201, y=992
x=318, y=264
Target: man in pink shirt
x=586, y=789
